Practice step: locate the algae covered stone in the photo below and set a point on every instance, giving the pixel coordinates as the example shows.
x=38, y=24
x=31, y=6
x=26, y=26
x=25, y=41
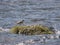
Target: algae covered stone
x=31, y=30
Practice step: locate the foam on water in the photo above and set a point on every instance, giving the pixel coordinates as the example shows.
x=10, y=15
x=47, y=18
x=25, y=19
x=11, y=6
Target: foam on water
x=2, y=29
x=20, y=43
x=57, y=32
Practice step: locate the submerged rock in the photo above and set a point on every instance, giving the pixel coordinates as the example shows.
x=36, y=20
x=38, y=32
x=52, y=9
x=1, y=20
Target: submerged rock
x=31, y=30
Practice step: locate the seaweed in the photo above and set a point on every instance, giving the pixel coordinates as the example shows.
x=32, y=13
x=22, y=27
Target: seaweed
x=31, y=30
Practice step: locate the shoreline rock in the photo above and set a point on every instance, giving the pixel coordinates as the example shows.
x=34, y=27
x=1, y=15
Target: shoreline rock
x=31, y=30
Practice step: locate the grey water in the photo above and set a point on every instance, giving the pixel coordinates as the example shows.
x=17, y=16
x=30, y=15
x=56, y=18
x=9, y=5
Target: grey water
x=45, y=12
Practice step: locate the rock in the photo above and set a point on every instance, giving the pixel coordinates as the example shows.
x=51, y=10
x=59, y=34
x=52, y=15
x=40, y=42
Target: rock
x=31, y=30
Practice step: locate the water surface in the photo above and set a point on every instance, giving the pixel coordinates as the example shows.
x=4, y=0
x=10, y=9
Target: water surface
x=46, y=12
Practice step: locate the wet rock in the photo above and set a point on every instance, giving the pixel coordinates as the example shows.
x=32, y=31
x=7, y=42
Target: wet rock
x=31, y=30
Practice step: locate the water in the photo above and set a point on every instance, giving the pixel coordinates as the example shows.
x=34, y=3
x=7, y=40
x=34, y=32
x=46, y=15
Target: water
x=46, y=12
x=13, y=39
x=32, y=12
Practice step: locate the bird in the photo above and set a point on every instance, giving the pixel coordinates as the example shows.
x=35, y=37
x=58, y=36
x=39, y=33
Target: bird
x=20, y=22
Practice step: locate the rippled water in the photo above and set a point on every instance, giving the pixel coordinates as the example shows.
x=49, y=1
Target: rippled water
x=46, y=12
x=32, y=12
